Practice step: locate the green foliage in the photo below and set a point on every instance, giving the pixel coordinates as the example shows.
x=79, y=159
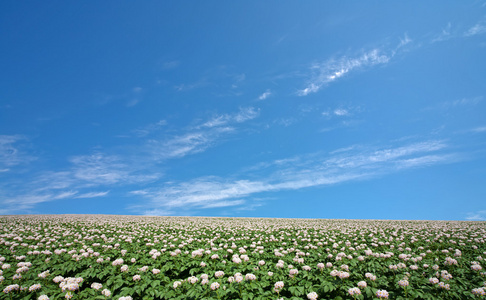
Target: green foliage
x=158, y=252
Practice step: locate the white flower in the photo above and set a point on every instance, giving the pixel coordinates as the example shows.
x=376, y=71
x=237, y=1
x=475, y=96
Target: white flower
x=354, y=291
x=403, y=283
x=219, y=274
x=278, y=286
x=312, y=296
x=382, y=294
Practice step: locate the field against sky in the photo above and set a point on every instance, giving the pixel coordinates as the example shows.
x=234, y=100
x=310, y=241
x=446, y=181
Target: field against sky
x=364, y=110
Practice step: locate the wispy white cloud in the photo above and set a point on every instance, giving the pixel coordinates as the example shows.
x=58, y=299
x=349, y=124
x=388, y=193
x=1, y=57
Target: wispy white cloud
x=133, y=102
x=171, y=64
x=476, y=216
x=455, y=104
x=403, y=42
x=200, y=137
x=246, y=114
x=148, y=129
x=186, y=144
x=296, y=173
x=444, y=35
x=26, y=202
x=265, y=95
x=479, y=129
x=478, y=28
x=333, y=69
x=465, y=101
x=221, y=77
x=101, y=170
x=84, y=173
x=219, y=204
x=93, y=194
x=341, y=112
x=11, y=153
x=243, y=115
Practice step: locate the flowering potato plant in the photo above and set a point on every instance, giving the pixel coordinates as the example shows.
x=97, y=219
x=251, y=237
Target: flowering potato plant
x=129, y=257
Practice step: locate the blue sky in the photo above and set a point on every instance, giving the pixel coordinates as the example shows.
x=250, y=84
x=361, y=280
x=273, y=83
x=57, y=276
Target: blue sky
x=356, y=110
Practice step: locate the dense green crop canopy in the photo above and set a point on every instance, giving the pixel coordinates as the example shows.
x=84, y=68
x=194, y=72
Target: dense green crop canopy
x=128, y=257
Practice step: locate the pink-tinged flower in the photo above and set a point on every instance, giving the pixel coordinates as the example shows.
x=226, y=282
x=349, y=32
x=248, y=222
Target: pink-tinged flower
x=176, y=284
x=328, y=265
x=192, y=279
x=476, y=268
x=155, y=271
x=117, y=262
x=43, y=297
x=312, y=296
x=96, y=285
x=293, y=272
x=58, y=279
x=250, y=277
x=270, y=273
x=450, y=261
x=11, y=288
x=137, y=278
x=17, y=276
x=203, y=264
x=219, y=274
x=43, y=274
x=320, y=266
x=261, y=263
x=382, y=294
x=238, y=278
x=444, y=286
x=403, y=283
x=278, y=286
x=106, y=293
x=433, y=280
x=214, y=286
x=124, y=268
x=354, y=291
x=362, y=284
x=479, y=292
